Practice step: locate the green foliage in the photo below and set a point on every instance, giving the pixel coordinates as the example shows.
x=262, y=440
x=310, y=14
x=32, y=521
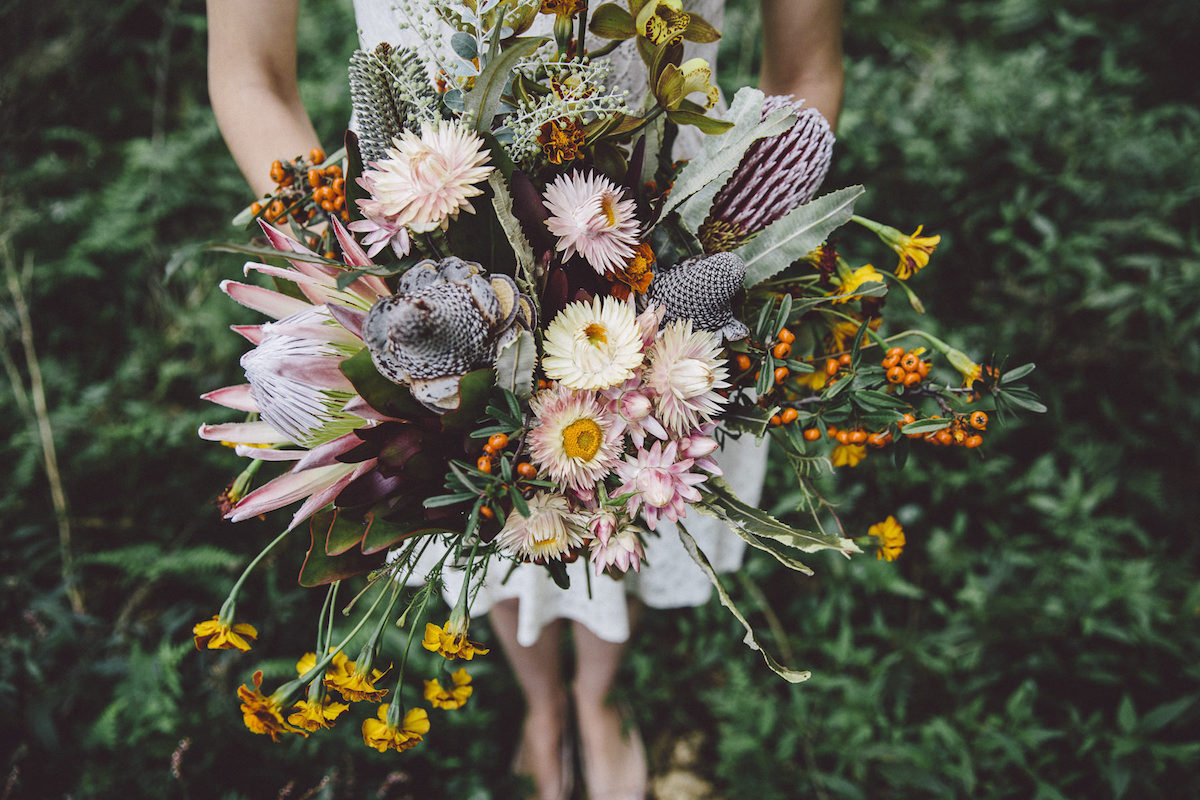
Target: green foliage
x=1039, y=636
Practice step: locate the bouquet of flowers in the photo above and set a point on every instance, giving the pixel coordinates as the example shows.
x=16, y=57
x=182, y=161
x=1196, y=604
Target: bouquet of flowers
x=507, y=326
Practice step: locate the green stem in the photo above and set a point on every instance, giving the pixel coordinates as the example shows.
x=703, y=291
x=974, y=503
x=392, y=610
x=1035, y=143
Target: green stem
x=226, y=615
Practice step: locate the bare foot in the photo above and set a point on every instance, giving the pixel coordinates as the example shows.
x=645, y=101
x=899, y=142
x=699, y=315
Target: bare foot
x=614, y=759
x=540, y=753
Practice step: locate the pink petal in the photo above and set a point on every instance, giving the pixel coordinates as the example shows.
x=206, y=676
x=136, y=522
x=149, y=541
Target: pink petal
x=252, y=332
x=320, y=499
x=324, y=455
x=268, y=453
x=316, y=289
x=319, y=371
x=237, y=397
x=244, y=432
x=351, y=319
x=287, y=488
x=268, y=301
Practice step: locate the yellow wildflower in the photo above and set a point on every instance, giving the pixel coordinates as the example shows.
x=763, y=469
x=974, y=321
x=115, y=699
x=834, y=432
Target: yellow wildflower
x=451, y=642
x=914, y=252
x=561, y=8
x=219, y=635
x=662, y=21
x=377, y=733
x=314, y=716
x=814, y=380
x=358, y=685
x=864, y=274
x=450, y=698
x=339, y=669
x=891, y=538
x=263, y=714
x=848, y=455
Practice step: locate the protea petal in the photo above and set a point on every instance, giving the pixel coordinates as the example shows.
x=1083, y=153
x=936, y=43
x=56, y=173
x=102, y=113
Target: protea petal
x=268, y=453
x=236, y=397
x=267, y=301
x=288, y=488
x=253, y=333
x=243, y=433
x=323, y=497
x=326, y=454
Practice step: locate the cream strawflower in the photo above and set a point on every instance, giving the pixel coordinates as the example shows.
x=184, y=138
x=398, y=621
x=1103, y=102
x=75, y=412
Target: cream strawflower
x=685, y=370
x=593, y=346
x=576, y=444
x=588, y=216
x=550, y=530
x=426, y=180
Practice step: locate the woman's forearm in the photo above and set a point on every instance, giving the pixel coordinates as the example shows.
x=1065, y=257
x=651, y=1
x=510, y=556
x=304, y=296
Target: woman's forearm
x=252, y=84
x=802, y=52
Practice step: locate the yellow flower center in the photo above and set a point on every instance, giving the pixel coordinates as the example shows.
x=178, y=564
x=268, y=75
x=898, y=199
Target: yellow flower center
x=608, y=206
x=596, y=334
x=582, y=439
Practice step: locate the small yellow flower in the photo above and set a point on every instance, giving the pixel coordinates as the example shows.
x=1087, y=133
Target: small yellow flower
x=339, y=669
x=263, y=714
x=561, y=8
x=218, y=635
x=662, y=21
x=381, y=736
x=450, y=642
x=891, y=538
x=864, y=274
x=914, y=251
x=848, y=455
x=359, y=686
x=313, y=716
x=814, y=380
x=451, y=698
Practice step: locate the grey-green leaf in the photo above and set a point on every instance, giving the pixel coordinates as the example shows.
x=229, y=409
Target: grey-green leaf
x=482, y=102
x=502, y=203
x=514, y=366
x=798, y=233
x=718, y=499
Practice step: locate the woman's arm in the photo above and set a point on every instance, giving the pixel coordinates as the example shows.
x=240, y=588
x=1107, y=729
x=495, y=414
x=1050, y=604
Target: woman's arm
x=252, y=84
x=802, y=52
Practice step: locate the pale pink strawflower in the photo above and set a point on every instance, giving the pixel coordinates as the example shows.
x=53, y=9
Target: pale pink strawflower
x=575, y=442
x=684, y=370
x=699, y=445
x=662, y=486
x=589, y=217
x=631, y=406
x=550, y=531
x=602, y=524
x=426, y=180
x=621, y=551
x=380, y=229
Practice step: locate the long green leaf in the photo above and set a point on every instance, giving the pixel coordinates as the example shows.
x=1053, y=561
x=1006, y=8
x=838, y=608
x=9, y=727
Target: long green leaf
x=719, y=500
x=514, y=366
x=502, y=203
x=787, y=673
x=797, y=234
x=482, y=102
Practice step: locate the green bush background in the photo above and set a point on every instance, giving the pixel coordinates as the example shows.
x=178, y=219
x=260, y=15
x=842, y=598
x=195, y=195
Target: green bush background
x=1039, y=636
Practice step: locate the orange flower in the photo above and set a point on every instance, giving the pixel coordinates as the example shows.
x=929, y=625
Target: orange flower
x=561, y=139
x=381, y=735
x=315, y=716
x=635, y=277
x=451, y=642
x=263, y=714
x=891, y=538
x=216, y=634
x=450, y=698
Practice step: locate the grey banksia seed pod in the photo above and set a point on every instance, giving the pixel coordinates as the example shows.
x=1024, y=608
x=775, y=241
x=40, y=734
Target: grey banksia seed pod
x=389, y=91
x=776, y=175
x=702, y=289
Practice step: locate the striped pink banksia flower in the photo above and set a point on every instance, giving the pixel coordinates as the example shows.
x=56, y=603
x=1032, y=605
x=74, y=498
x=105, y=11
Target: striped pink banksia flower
x=776, y=175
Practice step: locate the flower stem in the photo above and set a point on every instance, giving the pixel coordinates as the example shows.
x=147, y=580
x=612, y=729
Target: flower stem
x=226, y=615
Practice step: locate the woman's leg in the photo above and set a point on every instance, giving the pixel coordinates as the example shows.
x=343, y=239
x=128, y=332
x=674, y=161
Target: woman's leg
x=614, y=759
x=538, y=670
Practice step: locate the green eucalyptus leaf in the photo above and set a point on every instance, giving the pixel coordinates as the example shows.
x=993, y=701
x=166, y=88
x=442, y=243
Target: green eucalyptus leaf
x=464, y=45
x=482, y=102
x=751, y=641
x=798, y=233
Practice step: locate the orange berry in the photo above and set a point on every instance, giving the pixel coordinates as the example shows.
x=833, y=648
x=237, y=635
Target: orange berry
x=789, y=415
x=526, y=470
x=912, y=379
x=812, y=434
x=339, y=202
x=498, y=441
x=484, y=464
x=316, y=155
x=843, y=437
x=979, y=420
x=786, y=336
x=775, y=420
x=314, y=177
x=487, y=448
x=944, y=437
x=781, y=374
x=923, y=368
x=895, y=351
x=973, y=441
x=890, y=361
x=486, y=512
x=781, y=350
x=831, y=367
x=339, y=185
x=329, y=254
x=831, y=431
x=896, y=375
x=907, y=419
x=910, y=362
x=743, y=362
x=844, y=359
x=879, y=439
x=857, y=436
x=256, y=208
x=334, y=170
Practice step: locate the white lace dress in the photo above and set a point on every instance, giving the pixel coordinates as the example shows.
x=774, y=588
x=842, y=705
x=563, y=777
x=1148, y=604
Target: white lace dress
x=668, y=578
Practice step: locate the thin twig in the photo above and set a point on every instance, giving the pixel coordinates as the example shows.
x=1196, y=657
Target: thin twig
x=37, y=391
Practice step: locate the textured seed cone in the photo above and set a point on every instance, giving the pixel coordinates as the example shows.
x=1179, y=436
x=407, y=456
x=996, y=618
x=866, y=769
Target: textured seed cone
x=702, y=289
x=448, y=318
x=385, y=86
x=776, y=175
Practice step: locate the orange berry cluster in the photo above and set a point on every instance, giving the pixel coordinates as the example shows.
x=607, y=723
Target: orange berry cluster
x=781, y=348
x=964, y=430
x=854, y=435
x=904, y=368
x=301, y=187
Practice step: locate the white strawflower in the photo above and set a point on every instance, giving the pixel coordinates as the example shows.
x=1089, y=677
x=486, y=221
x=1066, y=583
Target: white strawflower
x=550, y=530
x=426, y=180
x=593, y=346
x=576, y=443
x=684, y=371
x=588, y=216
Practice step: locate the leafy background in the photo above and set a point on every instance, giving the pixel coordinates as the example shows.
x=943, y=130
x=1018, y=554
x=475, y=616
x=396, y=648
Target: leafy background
x=1039, y=636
